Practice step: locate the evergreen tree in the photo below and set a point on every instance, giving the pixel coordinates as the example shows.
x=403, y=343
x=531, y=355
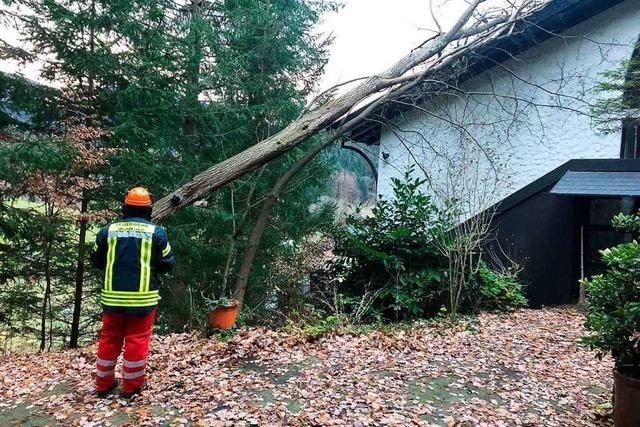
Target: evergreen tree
x=174, y=89
x=42, y=182
x=75, y=42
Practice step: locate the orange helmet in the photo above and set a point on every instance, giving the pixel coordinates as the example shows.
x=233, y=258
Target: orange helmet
x=138, y=196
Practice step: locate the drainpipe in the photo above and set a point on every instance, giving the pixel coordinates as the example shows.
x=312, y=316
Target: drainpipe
x=583, y=296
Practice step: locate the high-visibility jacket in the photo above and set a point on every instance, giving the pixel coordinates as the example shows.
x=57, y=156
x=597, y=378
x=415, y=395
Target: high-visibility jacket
x=132, y=252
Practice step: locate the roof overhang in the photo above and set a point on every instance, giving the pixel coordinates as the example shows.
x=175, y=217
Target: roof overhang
x=549, y=180
x=589, y=183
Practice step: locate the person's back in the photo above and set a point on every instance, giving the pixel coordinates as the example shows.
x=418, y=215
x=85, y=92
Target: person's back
x=132, y=252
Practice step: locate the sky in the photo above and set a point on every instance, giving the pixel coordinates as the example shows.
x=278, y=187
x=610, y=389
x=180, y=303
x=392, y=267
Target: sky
x=370, y=35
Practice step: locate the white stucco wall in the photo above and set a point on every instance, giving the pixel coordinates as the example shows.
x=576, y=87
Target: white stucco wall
x=523, y=140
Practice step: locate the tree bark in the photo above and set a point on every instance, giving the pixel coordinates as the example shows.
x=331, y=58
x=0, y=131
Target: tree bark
x=46, y=298
x=79, y=281
x=331, y=112
x=265, y=214
x=236, y=234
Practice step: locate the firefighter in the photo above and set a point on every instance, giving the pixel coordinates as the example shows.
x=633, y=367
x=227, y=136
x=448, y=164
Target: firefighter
x=132, y=253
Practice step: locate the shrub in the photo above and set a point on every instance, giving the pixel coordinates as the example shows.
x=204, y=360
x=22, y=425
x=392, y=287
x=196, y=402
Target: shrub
x=316, y=330
x=389, y=257
x=498, y=290
x=411, y=259
x=613, y=302
x=310, y=324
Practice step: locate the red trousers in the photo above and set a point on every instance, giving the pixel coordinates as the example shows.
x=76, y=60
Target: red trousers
x=135, y=333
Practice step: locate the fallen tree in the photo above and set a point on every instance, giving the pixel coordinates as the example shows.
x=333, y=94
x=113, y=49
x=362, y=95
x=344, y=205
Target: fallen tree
x=475, y=28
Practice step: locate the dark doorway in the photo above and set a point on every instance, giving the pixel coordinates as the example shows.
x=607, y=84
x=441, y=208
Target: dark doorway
x=598, y=233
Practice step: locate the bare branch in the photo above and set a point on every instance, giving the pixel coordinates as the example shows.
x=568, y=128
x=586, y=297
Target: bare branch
x=471, y=30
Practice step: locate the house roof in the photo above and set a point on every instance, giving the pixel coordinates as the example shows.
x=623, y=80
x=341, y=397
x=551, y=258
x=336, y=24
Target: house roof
x=580, y=183
x=576, y=165
x=556, y=17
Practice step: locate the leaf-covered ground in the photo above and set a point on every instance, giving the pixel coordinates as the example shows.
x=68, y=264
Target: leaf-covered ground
x=519, y=369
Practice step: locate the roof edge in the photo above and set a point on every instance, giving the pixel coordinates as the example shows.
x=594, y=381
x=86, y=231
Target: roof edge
x=551, y=178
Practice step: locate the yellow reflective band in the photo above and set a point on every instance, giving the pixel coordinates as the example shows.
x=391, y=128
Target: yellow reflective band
x=129, y=294
x=111, y=257
x=132, y=226
x=123, y=303
x=130, y=298
x=167, y=250
x=148, y=265
x=130, y=302
x=127, y=301
x=145, y=265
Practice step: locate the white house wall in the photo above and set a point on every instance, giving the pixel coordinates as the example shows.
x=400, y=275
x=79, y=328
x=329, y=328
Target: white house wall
x=481, y=148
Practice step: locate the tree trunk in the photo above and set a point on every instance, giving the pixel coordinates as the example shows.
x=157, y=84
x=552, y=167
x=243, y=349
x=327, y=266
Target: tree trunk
x=46, y=298
x=43, y=314
x=236, y=234
x=84, y=208
x=265, y=214
x=333, y=111
x=248, y=160
x=77, y=298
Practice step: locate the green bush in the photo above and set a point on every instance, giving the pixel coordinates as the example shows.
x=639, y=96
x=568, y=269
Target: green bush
x=310, y=324
x=391, y=266
x=389, y=258
x=499, y=291
x=321, y=328
x=613, y=302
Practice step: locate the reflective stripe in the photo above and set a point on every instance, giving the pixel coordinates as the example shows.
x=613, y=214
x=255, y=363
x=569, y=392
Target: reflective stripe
x=129, y=295
x=132, y=375
x=102, y=374
x=136, y=234
x=124, y=303
x=106, y=363
x=111, y=257
x=167, y=250
x=139, y=227
x=145, y=265
x=127, y=364
x=130, y=300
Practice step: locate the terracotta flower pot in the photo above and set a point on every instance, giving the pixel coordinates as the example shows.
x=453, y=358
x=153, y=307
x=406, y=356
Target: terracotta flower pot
x=223, y=317
x=626, y=401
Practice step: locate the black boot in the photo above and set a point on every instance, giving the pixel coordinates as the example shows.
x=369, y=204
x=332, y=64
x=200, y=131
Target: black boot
x=107, y=392
x=133, y=393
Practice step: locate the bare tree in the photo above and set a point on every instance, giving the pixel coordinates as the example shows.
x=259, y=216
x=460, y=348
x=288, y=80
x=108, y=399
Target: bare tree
x=470, y=198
